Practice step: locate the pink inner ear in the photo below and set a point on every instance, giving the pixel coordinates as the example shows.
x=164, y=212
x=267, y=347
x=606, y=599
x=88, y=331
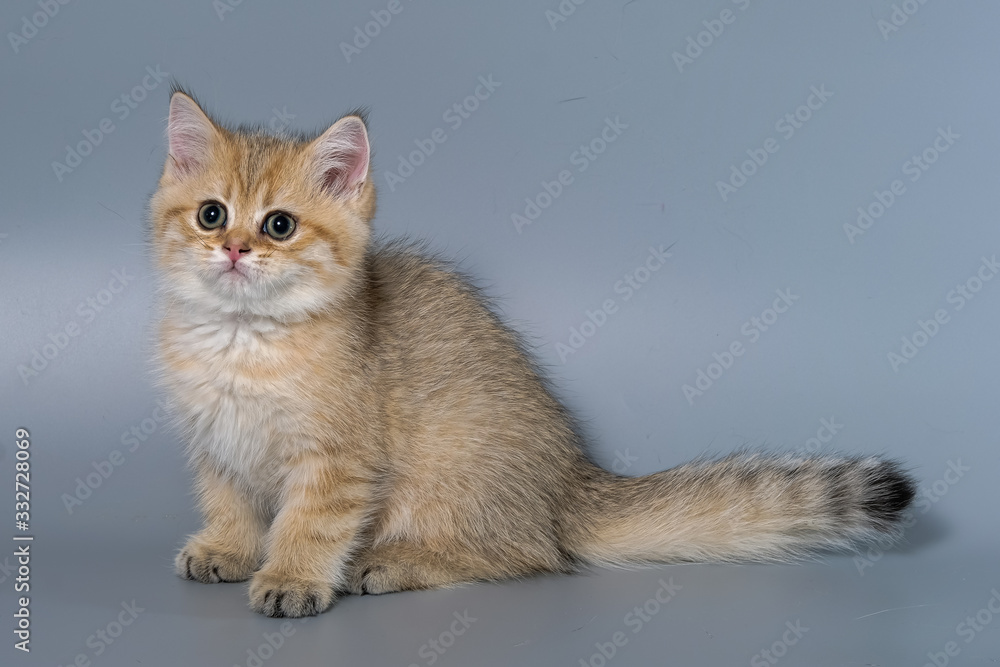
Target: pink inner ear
x=189, y=134
x=343, y=154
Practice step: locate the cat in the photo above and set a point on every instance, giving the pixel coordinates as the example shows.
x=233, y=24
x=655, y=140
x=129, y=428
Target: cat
x=359, y=420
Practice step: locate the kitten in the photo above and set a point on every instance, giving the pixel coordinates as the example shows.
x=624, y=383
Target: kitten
x=360, y=422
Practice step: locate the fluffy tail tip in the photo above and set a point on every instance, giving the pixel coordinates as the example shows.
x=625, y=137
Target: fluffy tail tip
x=888, y=494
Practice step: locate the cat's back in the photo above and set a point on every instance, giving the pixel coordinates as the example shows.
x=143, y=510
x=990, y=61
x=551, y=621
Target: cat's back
x=443, y=351
x=425, y=307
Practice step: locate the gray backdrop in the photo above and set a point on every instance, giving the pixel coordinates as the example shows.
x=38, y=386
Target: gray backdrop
x=839, y=158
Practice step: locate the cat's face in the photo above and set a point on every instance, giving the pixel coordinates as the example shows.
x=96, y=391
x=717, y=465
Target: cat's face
x=246, y=223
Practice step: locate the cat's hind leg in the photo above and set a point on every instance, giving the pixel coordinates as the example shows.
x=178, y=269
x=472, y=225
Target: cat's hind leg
x=406, y=566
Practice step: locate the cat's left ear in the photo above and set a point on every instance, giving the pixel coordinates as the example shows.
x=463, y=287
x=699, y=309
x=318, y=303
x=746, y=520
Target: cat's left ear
x=341, y=159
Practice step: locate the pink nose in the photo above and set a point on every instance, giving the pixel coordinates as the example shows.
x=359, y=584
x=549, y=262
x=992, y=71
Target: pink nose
x=235, y=248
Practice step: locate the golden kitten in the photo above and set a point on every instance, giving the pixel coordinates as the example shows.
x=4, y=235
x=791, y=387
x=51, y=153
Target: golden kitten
x=359, y=421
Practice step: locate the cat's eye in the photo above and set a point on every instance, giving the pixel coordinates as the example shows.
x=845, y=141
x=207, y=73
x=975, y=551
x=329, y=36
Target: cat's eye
x=279, y=226
x=212, y=215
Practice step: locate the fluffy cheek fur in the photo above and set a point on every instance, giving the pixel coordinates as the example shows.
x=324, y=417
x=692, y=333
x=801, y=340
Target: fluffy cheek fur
x=285, y=280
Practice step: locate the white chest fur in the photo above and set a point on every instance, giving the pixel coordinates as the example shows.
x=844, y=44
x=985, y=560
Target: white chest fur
x=227, y=384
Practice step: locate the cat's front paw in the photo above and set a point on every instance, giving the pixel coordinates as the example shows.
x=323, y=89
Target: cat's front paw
x=208, y=564
x=276, y=595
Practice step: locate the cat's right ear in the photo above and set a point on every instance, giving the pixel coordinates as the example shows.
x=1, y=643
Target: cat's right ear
x=190, y=134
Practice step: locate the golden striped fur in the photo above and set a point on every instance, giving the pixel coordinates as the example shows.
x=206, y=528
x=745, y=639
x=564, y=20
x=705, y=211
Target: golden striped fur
x=359, y=421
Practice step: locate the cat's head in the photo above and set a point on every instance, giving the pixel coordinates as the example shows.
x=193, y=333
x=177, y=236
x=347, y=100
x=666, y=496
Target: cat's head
x=249, y=223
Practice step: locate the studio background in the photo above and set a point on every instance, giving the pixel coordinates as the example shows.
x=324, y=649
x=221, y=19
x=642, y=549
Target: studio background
x=856, y=146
